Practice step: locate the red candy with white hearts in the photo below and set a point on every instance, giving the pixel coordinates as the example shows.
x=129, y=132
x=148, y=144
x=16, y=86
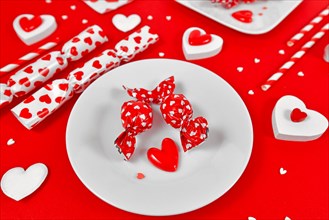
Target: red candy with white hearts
x=55, y=94
x=35, y=74
x=176, y=111
x=136, y=117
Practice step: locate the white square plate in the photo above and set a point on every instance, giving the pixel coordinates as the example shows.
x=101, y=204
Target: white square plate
x=272, y=13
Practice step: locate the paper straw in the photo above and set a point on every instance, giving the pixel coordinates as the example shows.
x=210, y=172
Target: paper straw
x=308, y=27
x=27, y=57
x=297, y=56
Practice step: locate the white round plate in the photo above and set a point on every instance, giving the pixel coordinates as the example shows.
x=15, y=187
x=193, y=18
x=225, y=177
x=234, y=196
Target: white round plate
x=204, y=173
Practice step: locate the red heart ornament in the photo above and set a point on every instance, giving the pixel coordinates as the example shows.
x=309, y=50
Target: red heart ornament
x=197, y=39
x=297, y=115
x=244, y=16
x=29, y=25
x=165, y=159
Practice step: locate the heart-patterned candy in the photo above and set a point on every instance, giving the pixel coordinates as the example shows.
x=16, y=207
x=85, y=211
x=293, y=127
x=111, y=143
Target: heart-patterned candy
x=308, y=125
x=124, y=23
x=244, y=16
x=32, y=29
x=104, y=6
x=197, y=44
x=165, y=158
x=17, y=183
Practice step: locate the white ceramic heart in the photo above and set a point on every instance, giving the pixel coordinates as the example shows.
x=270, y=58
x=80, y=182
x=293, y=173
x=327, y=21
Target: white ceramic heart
x=47, y=27
x=102, y=6
x=124, y=23
x=309, y=129
x=202, y=51
x=17, y=183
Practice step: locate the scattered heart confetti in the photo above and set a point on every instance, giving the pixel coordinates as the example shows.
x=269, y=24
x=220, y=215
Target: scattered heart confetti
x=10, y=142
x=64, y=17
x=168, y=18
x=150, y=17
x=140, y=176
x=161, y=54
x=251, y=92
x=18, y=183
x=84, y=21
x=251, y=218
x=282, y=52
x=257, y=60
x=239, y=69
x=300, y=73
x=283, y=171
x=73, y=7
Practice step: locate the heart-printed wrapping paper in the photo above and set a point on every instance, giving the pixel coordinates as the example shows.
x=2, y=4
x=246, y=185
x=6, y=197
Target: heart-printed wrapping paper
x=176, y=110
x=35, y=74
x=49, y=98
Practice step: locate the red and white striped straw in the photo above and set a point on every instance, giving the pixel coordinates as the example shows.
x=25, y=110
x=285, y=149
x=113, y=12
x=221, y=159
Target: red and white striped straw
x=297, y=56
x=308, y=27
x=11, y=66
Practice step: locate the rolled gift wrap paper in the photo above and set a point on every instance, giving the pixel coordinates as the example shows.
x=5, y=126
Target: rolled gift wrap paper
x=136, y=117
x=35, y=74
x=52, y=96
x=176, y=110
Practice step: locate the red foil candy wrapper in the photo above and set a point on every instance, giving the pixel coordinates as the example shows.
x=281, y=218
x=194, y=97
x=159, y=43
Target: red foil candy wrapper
x=136, y=117
x=51, y=97
x=35, y=74
x=176, y=111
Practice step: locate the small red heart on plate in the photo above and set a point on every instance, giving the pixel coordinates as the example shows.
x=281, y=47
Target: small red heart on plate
x=196, y=38
x=297, y=115
x=29, y=25
x=244, y=16
x=165, y=159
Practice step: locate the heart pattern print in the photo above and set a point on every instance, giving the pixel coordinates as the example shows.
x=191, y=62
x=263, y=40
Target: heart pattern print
x=51, y=97
x=32, y=29
x=35, y=74
x=104, y=6
x=176, y=110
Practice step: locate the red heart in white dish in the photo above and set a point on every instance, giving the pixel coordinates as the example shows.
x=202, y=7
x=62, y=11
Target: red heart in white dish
x=31, y=29
x=103, y=6
x=284, y=128
x=201, y=50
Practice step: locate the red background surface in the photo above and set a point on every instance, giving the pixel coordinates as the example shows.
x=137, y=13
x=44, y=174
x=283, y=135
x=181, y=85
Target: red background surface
x=261, y=192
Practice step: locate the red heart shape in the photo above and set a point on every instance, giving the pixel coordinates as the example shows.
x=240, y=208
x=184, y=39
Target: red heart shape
x=78, y=75
x=63, y=86
x=244, y=16
x=24, y=81
x=60, y=60
x=44, y=112
x=29, y=99
x=30, y=24
x=25, y=113
x=297, y=115
x=45, y=98
x=44, y=71
x=197, y=39
x=76, y=39
x=46, y=57
x=28, y=69
x=96, y=64
x=88, y=41
x=137, y=39
x=165, y=159
x=74, y=51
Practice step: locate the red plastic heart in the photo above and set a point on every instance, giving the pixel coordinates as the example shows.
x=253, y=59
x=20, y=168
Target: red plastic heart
x=29, y=25
x=244, y=16
x=297, y=115
x=165, y=159
x=197, y=39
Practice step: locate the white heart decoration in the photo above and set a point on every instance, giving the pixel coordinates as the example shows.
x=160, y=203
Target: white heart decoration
x=124, y=23
x=102, y=6
x=311, y=128
x=201, y=51
x=17, y=183
x=47, y=27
